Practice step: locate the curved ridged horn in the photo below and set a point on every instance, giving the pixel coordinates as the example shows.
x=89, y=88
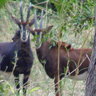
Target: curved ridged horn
x=36, y=25
x=28, y=12
x=21, y=11
x=41, y=21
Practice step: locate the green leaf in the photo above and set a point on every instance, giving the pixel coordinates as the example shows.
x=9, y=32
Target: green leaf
x=34, y=89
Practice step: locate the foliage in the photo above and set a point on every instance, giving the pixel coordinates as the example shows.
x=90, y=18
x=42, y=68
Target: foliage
x=37, y=1
x=3, y=2
x=76, y=15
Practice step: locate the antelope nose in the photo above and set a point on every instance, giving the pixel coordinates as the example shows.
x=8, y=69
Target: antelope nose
x=24, y=36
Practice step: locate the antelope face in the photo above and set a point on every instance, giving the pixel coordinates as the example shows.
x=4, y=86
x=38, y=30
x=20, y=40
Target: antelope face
x=39, y=30
x=23, y=32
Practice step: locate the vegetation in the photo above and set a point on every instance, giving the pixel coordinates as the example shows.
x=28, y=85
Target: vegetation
x=73, y=22
x=3, y=2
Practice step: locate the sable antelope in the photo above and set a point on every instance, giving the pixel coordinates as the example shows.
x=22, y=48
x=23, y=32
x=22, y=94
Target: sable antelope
x=75, y=61
x=23, y=50
x=69, y=58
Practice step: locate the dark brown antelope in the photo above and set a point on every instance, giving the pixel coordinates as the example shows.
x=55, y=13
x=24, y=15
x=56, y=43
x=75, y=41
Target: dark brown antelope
x=22, y=48
x=73, y=63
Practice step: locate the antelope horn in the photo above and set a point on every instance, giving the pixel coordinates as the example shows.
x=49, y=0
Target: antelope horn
x=36, y=25
x=28, y=13
x=41, y=22
x=21, y=11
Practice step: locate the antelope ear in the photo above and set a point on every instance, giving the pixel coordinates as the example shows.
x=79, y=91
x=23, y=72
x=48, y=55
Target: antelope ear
x=47, y=29
x=33, y=21
x=30, y=30
x=16, y=21
x=43, y=30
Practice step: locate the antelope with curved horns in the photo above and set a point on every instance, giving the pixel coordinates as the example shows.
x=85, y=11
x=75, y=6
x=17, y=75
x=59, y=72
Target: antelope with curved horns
x=75, y=61
x=23, y=50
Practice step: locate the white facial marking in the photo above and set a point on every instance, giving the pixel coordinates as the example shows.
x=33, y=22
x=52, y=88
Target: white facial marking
x=26, y=35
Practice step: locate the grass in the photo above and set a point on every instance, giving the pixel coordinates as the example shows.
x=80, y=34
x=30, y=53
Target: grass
x=44, y=86
x=40, y=83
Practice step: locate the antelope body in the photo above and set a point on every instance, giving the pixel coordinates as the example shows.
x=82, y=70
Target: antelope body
x=73, y=63
x=18, y=52
x=65, y=61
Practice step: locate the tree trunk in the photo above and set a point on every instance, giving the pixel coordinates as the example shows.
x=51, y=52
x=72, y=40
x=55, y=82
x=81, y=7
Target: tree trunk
x=91, y=80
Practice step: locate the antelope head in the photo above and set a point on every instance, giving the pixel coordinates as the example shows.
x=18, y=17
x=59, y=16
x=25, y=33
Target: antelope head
x=23, y=32
x=39, y=31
